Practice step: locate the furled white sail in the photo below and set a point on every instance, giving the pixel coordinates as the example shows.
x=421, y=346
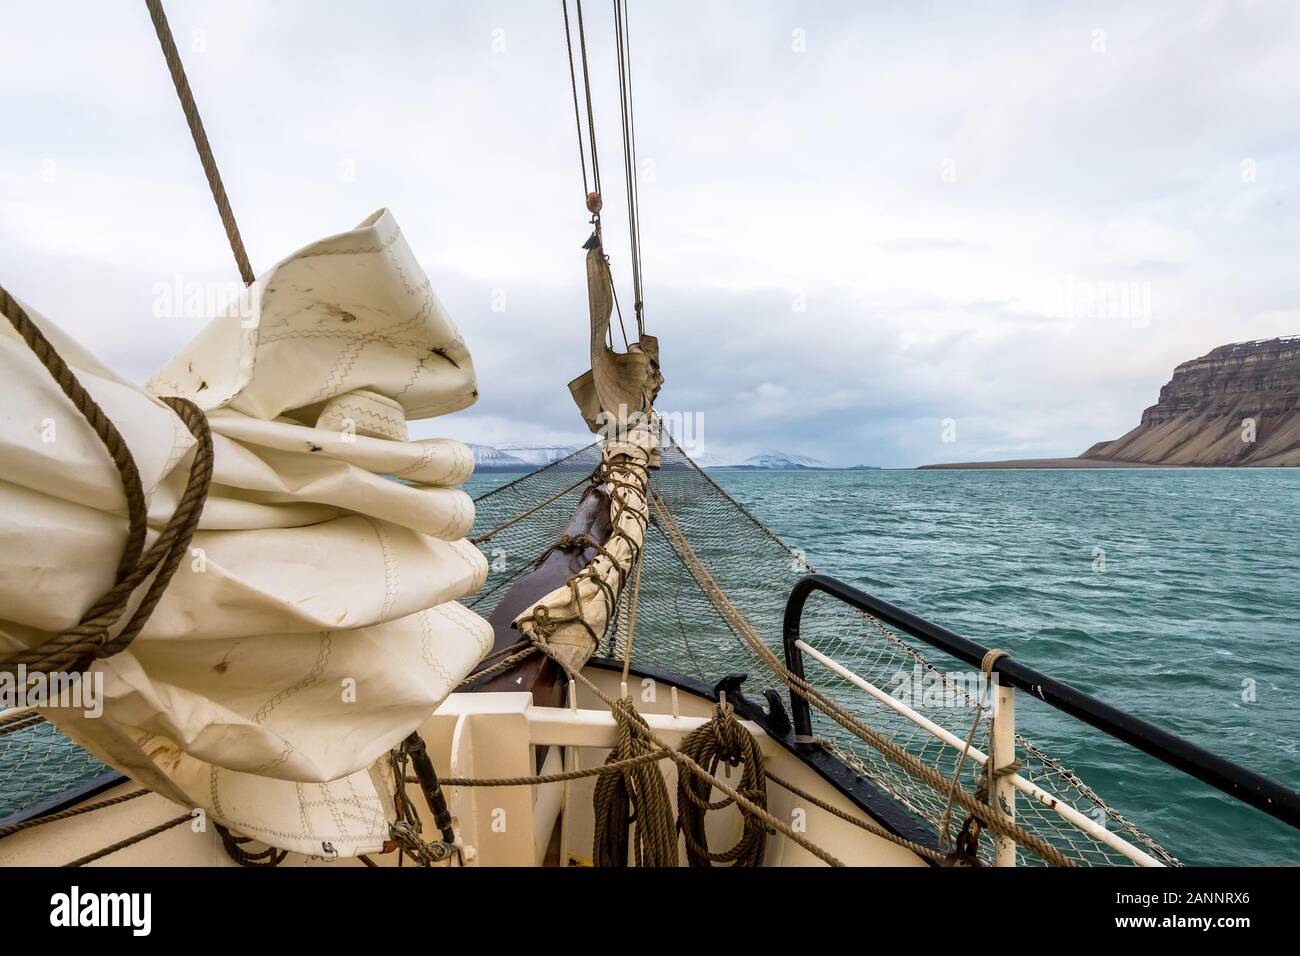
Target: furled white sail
x=315, y=624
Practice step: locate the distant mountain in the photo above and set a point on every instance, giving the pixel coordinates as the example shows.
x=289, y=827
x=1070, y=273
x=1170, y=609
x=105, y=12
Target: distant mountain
x=539, y=455
x=779, y=461
x=1238, y=404
x=530, y=457
x=487, y=458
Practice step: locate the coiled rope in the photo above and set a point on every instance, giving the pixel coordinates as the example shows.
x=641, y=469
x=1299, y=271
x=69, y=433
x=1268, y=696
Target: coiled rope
x=633, y=804
x=685, y=763
x=722, y=740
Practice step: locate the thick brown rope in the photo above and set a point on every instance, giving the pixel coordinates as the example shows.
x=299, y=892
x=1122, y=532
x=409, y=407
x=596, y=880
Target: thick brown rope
x=686, y=763
x=20, y=719
x=499, y=667
x=617, y=766
x=105, y=430
x=722, y=740
x=130, y=841
x=635, y=799
x=71, y=812
x=260, y=859
x=75, y=648
x=191, y=110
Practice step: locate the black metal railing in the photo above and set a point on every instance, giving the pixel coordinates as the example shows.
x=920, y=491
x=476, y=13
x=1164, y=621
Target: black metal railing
x=1236, y=781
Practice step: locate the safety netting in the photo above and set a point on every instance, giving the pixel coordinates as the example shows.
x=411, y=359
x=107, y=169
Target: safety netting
x=38, y=765
x=681, y=629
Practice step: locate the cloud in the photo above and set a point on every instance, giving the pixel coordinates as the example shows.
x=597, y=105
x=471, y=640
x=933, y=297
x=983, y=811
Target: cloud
x=1019, y=219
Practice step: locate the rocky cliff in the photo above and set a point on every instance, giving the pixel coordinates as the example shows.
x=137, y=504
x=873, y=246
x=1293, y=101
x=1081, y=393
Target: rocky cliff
x=1237, y=405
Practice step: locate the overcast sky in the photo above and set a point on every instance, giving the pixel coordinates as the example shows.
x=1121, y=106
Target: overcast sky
x=859, y=220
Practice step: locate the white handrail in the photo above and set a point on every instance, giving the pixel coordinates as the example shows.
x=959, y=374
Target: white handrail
x=1067, y=812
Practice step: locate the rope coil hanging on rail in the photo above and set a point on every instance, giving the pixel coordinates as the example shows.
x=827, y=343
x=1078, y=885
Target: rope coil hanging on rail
x=722, y=741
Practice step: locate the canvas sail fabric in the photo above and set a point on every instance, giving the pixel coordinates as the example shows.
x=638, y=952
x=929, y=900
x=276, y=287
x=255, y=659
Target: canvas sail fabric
x=619, y=389
x=316, y=624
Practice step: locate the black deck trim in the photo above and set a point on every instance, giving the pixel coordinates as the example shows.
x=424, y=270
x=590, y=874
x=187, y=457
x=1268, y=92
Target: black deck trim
x=864, y=794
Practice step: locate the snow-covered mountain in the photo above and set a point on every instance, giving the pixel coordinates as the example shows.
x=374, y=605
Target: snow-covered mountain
x=487, y=458
x=530, y=457
x=781, y=461
x=539, y=455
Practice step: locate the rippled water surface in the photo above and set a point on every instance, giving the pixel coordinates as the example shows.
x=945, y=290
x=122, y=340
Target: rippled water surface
x=1172, y=594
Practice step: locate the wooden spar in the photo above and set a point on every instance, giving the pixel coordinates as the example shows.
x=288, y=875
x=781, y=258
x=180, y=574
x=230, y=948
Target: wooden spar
x=538, y=673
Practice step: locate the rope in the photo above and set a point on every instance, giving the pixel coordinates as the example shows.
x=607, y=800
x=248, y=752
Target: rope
x=631, y=619
x=686, y=763
x=102, y=425
x=499, y=667
x=577, y=113
x=617, y=766
x=129, y=841
x=986, y=668
x=624, y=43
x=20, y=721
x=88, y=640
x=722, y=740
x=405, y=832
x=72, y=812
x=635, y=798
x=262, y=859
x=869, y=825
x=555, y=497
x=850, y=722
x=191, y=111
x=593, y=198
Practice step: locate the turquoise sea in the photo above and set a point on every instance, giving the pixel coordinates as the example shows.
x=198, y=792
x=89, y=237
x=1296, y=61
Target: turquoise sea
x=1173, y=594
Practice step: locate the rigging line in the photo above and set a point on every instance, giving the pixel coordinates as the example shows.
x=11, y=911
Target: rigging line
x=624, y=35
x=591, y=116
x=577, y=113
x=191, y=111
x=627, y=153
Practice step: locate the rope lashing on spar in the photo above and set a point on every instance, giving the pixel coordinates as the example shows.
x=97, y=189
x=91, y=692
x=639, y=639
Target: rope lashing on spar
x=542, y=619
x=99, y=632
